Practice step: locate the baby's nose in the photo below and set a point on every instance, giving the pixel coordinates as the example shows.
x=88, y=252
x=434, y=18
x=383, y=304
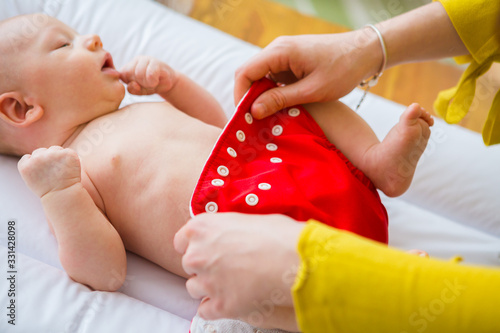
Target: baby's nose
x=93, y=42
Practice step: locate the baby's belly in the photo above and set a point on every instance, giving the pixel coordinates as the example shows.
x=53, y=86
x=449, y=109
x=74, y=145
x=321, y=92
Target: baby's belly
x=148, y=211
x=149, y=191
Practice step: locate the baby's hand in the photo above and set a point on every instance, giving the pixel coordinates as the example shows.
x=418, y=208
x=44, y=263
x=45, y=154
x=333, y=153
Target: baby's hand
x=146, y=76
x=47, y=170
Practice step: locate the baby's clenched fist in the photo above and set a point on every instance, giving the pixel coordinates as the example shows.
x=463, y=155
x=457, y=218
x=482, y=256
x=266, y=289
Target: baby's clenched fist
x=146, y=76
x=47, y=170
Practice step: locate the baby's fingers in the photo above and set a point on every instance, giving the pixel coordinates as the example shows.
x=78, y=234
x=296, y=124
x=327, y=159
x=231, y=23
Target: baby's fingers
x=127, y=72
x=22, y=162
x=145, y=72
x=151, y=73
x=25, y=161
x=135, y=89
x=142, y=75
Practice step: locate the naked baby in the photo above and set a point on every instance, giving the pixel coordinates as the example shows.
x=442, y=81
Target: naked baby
x=132, y=191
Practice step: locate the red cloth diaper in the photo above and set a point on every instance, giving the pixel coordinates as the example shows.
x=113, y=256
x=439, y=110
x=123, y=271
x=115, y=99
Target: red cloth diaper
x=284, y=164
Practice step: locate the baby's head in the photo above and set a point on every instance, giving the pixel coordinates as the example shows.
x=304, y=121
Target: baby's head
x=51, y=81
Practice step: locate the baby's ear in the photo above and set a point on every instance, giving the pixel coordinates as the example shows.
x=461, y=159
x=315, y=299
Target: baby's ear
x=16, y=112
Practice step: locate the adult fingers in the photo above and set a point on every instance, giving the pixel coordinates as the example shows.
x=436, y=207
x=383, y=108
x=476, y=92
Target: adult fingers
x=196, y=226
x=272, y=59
x=273, y=100
x=211, y=309
x=250, y=72
x=181, y=239
x=195, y=288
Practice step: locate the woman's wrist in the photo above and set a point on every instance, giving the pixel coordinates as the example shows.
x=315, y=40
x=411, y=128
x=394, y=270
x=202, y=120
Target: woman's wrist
x=422, y=34
x=371, y=55
x=290, y=259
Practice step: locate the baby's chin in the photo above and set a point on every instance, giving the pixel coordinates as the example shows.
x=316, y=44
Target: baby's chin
x=119, y=99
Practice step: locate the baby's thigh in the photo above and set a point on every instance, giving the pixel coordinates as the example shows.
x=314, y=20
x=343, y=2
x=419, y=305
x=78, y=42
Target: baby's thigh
x=343, y=127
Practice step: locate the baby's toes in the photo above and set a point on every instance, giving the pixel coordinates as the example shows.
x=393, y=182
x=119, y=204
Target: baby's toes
x=425, y=128
x=428, y=118
x=411, y=114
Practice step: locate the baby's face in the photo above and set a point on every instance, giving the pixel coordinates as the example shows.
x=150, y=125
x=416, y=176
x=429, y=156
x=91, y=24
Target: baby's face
x=71, y=76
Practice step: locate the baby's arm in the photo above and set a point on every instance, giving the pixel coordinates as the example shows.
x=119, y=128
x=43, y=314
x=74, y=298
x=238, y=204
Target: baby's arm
x=90, y=249
x=146, y=76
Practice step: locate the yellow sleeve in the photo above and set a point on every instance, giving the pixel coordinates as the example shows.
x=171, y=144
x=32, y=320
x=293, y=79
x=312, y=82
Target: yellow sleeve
x=350, y=284
x=478, y=25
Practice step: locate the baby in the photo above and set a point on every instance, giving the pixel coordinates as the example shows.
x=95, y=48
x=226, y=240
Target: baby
x=133, y=190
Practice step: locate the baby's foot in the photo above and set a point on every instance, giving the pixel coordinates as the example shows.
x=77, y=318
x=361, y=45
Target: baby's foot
x=402, y=148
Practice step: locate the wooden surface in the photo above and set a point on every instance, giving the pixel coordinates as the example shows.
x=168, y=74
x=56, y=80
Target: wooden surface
x=260, y=21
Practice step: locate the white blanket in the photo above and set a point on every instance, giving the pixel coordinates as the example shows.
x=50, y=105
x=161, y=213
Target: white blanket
x=452, y=208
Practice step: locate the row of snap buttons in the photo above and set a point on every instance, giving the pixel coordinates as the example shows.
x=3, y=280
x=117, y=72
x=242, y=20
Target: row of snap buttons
x=251, y=199
x=224, y=171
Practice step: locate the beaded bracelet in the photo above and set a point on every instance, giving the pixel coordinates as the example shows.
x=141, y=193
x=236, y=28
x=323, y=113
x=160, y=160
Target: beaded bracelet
x=370, y=82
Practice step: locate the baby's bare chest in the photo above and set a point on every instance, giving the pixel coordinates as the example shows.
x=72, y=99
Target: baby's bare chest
x=144, y=164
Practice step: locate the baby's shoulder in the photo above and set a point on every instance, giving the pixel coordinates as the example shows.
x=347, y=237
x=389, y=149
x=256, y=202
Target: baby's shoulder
x=131, y=114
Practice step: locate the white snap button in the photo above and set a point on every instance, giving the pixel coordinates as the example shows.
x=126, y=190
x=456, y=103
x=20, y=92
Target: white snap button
x=293, y=112
x=252, y=199
x=271, y=147
x=211, y=207
x=231, y=152
x=248, y=118
x=223, y=171
x=276, y=160
x=277, y=130
x=217, y=182
x=264, y=186
x=240, y=136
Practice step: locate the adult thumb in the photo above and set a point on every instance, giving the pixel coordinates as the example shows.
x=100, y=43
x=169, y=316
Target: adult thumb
x=276, y=99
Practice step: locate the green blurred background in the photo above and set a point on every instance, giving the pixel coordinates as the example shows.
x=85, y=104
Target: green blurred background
x=354, y=13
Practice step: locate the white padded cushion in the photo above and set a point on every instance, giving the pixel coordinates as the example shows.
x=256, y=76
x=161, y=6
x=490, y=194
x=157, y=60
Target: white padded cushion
x=457, y=181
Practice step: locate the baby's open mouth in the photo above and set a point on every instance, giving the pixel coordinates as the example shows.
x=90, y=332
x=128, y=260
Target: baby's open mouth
x=108, y=66
x=108, y=62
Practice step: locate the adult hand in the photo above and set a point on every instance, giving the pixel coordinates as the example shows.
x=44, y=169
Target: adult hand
x=241, y=266
x=312, y=68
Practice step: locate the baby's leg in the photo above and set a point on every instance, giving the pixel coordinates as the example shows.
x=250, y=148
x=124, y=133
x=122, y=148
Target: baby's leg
x=345, y=129
x=401, y=150
x=389, y=164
